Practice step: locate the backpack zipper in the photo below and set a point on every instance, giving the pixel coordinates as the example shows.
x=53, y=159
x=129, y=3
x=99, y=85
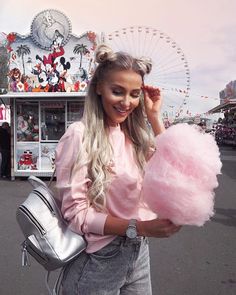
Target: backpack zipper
x=41, y=196
x=25, y=261
x=28, y=249
x=33, y=219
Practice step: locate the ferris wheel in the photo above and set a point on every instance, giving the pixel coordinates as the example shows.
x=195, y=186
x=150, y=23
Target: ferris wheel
x=170, y=71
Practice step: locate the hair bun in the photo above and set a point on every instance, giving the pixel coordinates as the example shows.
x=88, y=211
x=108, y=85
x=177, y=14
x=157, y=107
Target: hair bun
x=147, y=62
x=103, y=53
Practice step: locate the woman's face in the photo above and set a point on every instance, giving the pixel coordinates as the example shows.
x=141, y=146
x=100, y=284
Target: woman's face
x=120, y=93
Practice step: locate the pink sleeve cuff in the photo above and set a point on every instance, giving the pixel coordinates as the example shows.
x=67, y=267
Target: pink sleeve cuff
x=94, y=222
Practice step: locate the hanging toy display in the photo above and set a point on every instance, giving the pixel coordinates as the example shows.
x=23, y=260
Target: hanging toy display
x=181, y=176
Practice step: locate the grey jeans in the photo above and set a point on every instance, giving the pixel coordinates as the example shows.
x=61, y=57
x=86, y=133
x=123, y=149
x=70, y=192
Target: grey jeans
x=120, y=268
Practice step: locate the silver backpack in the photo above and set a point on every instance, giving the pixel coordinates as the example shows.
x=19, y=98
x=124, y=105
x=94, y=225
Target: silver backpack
x=47, y=236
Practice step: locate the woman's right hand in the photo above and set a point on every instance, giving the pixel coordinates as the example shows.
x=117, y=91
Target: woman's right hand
x=158, y=228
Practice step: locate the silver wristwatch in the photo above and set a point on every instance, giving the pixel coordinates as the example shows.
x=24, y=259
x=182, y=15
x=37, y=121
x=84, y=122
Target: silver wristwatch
x=131, y=231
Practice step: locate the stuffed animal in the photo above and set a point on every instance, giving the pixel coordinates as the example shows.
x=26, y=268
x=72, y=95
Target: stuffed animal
x=15, y=80
x=22, y=128
x=181, y=176
x=26, y=161
x=63, y=75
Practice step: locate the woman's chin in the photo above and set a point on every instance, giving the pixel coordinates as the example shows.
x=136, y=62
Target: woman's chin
x=116, y=121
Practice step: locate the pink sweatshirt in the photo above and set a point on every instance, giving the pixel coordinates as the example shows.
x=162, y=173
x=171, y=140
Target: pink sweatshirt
x=123, y=197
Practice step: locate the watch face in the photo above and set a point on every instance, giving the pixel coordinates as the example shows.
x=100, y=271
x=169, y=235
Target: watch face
x=131, y=232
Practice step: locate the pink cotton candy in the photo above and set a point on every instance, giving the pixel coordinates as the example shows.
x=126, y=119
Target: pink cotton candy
x=180, y=178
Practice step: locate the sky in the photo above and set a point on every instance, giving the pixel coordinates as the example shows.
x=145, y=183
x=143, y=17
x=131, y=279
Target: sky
x=204, y=29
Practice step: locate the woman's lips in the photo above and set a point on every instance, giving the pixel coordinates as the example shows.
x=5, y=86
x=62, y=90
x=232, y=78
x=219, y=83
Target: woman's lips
x=121, y=111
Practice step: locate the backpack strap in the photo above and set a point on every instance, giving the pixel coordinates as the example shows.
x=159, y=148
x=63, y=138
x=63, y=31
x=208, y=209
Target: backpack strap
x=51, y=179
x=57, y=284
x=47, y=283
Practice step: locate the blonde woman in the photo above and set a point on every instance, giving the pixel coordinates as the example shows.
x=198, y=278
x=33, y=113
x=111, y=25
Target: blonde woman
x=100, y=164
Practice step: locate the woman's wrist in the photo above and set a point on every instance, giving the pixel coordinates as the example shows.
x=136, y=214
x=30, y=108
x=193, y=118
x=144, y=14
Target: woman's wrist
x=141, y=231
x=157, y=124
x=118, y=226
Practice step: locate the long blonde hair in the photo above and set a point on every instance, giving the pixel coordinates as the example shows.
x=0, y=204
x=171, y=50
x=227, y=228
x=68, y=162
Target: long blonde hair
x=96, y=143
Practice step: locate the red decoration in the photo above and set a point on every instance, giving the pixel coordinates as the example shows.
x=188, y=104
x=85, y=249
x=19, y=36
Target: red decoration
x=91, y=36
x=76, y=86
x=11, y=37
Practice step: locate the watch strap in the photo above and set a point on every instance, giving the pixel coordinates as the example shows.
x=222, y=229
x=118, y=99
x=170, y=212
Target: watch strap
x=132, y=223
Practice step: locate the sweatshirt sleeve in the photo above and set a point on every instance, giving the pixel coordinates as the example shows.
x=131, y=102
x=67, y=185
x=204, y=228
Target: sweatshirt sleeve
x=73, y=188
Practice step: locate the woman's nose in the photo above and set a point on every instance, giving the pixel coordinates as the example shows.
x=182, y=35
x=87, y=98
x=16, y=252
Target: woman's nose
x=126, y=100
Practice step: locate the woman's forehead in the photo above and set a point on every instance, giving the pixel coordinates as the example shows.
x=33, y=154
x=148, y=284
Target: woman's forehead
x=123, y=78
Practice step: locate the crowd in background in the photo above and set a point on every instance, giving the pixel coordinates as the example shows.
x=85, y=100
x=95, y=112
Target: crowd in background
x=225, y=130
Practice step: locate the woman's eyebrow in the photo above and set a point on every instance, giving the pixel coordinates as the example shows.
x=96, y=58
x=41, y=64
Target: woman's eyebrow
x=123, y=88
x=117, y=85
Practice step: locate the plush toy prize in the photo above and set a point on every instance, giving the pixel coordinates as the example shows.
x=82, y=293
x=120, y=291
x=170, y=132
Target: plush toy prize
x=181, y=176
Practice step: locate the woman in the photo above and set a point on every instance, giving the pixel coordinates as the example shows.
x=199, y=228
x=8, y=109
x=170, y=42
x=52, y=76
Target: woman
x=100, y=163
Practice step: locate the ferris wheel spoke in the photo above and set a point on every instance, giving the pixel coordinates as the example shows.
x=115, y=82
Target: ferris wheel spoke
x=170, y=69
x=147, y=40
x=167, y=58
x=153, y=47
x=171, y=60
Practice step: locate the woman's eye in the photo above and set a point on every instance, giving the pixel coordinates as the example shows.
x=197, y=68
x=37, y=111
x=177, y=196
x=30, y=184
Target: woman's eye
x=117, y=92
x=121, y=93
x=135, y=95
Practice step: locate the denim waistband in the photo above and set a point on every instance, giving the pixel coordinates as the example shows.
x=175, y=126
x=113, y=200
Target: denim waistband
x=126, y=240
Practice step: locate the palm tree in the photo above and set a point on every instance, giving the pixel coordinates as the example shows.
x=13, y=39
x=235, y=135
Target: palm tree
x=81, y=49
x=21, y=51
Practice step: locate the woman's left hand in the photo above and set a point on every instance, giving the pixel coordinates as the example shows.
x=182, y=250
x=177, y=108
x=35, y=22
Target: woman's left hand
x=152, y=101
x=153, y=104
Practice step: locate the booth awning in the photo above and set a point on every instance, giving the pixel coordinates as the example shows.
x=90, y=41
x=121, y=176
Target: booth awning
x=5, y=98
x=229, y=104
x=42, y=94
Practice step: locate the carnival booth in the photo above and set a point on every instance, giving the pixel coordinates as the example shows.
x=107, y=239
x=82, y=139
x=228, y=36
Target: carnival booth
x=48, y=74
x=226, y=127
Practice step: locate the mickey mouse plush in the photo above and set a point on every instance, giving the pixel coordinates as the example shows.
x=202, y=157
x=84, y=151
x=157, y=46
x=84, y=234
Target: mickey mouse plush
x=62, y=78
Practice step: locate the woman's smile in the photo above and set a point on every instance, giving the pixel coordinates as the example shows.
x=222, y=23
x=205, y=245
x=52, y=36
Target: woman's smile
x=122, y=111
